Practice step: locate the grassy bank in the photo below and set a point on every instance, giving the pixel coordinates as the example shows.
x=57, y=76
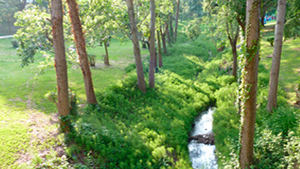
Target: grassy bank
x=131, y=129
x=276, y=135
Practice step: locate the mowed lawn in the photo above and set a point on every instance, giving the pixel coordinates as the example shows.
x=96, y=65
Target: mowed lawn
x=24, y=110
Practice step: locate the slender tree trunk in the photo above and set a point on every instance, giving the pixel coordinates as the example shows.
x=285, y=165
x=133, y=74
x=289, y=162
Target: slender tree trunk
x=60, y=64
x=81, y=50
x=169, y=36
x=152, y=46
x=8, y=24
x=234, y=55
x=136, y=47
x=163, y=38
x=106, y=58
x=273, y=84
x=250, y=83
x=160, y=61
x=176, y=21
x=262, y=22
x=171, y=28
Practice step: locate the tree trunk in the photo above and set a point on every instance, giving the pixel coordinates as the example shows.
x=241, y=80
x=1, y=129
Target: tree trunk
x=81, y=50
x=234, y=55
x=169, y=36
x=60, y=64
x=262, y=22
x=136, y=47
x=171, y=28
x=250, y=83
x=160, y=61
x=273, y=84
x=163, y=38
x=106, y=59
x=152, y=46
x=176, y=21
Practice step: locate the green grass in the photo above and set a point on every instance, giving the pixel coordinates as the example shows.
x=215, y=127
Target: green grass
x=22, y=93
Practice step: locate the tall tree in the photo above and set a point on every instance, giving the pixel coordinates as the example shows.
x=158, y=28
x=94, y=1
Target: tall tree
x=160, y=62
x=7, y=11
x=249, y=83
x=176, y=20
x=163, y=32
x=273, y=84
x=81, y=50
x=291, y=27
x=152, y=46
x=60, y=63
x=136, y=47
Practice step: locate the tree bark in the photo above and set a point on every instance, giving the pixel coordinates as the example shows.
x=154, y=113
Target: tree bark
x=250, y=83
x=163, y=38
x=273, y=84
x=106, y=58
x=160, y=61
x=169, y=36
x=171, y=28
x=136, y=47
x=60, y=64
x=262, y=22
x=152, y=46
x=176, y=21
x=234, y=55
x=81, y=50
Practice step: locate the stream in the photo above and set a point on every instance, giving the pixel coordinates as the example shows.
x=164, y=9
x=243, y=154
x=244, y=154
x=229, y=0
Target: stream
x=202, y=156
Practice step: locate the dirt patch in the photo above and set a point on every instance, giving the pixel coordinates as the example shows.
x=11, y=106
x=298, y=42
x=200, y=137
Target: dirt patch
x=44, y=131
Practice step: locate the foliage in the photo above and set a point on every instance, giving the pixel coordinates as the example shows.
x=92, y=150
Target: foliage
x=272, y=130
x=193, y=29
x=271, y=40
x=291, y=27
x=130, y=129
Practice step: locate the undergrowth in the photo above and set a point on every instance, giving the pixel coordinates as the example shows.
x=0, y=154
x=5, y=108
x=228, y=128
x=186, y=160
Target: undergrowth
x=130, y=129
x=275, y=144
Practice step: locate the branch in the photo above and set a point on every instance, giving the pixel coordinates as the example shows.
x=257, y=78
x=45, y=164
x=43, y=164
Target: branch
x=143, y=20
x=241, y=23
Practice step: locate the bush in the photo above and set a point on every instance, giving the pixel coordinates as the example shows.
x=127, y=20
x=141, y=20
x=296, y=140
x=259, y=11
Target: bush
x=14, y=43
x=271, y=40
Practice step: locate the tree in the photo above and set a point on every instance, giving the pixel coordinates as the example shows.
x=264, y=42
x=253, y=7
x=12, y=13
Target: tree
x=60, y=64
x=273, y=84
x=160, y=62
x=152, y=46
x=99, y=20
x=249, y=83
x=136, y=47
x=81, y=50
x=291, y=27
x=7, y=11
x=176, y=20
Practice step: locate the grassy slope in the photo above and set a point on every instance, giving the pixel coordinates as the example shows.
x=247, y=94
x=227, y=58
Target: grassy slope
x=268, y=125
x=21, y=95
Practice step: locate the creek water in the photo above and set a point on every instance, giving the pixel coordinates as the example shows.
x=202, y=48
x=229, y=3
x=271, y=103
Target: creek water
x=203, y=156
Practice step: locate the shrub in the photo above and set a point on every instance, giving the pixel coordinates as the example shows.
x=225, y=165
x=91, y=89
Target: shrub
x=14, y=43
x=271, y=40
